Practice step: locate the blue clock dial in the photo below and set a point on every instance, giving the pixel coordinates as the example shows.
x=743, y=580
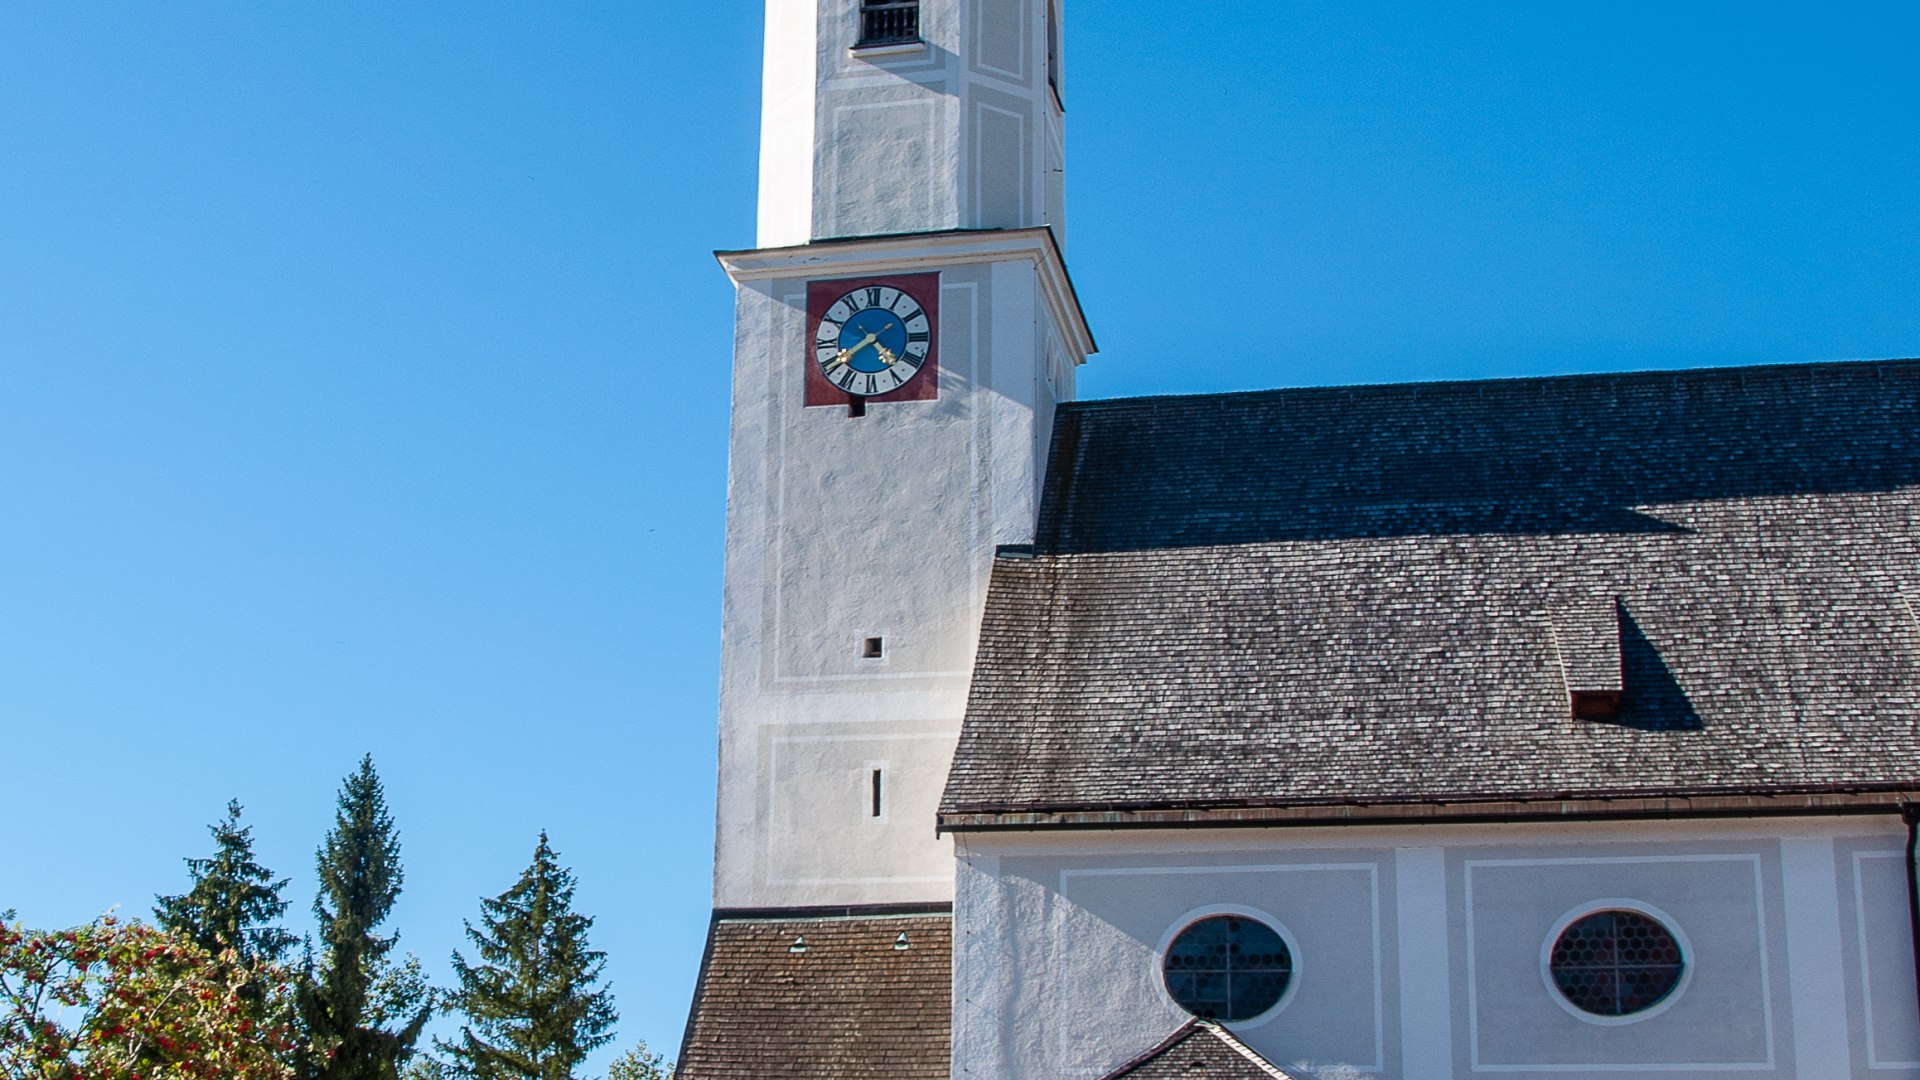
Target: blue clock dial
x=873, y=340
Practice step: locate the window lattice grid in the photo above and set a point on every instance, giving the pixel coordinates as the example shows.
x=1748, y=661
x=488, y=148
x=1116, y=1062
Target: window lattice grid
x=889, y=22
x=1615, y=963
x=1228, y=968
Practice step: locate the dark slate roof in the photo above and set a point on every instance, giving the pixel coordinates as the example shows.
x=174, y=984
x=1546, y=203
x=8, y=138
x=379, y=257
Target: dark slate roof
x=1199, y=1051
x=851, y=1005
x=1384, y=594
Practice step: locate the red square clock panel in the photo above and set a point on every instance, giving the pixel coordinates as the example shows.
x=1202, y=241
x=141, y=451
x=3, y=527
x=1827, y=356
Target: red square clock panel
x=876, y=338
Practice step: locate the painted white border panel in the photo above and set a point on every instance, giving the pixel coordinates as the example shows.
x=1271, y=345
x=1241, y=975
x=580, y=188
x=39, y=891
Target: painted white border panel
x=1022, y=48
x=1766, y=988
x=1022, y=175
x=1866, y=976
x=772, y=830
x=1372, y=871
x=924, y=186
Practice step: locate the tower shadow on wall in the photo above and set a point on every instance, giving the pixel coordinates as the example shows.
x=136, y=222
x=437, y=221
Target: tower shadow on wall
x=1651, y=699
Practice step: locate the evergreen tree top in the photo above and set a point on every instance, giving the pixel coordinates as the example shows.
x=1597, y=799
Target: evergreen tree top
x=533, y=1009
x=362, y=1013
x=233, y=900
x=359, y=865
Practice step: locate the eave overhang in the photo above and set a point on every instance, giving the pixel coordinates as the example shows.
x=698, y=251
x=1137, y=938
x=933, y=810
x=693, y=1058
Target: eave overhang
x=1836, y=801
x=927, y=250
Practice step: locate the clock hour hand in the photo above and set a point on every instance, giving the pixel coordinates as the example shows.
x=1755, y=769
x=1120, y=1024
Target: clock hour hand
x=846, y=355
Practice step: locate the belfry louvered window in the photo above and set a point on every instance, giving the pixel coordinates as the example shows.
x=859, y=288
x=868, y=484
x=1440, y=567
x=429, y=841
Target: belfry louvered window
x=889, y=22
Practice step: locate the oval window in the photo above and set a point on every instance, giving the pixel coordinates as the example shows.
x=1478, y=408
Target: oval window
x=1616, y=963
x=1228, y=968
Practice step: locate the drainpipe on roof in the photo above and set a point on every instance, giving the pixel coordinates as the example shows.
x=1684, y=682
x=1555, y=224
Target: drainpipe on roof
x=1910, y=813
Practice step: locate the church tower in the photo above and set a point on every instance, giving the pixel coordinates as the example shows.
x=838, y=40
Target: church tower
x=903, y=332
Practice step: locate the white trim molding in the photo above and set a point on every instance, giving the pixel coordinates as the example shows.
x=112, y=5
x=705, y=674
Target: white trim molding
x=930, y=250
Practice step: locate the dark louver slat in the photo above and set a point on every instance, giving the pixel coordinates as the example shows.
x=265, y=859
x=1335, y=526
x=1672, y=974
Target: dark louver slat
x=889, y=22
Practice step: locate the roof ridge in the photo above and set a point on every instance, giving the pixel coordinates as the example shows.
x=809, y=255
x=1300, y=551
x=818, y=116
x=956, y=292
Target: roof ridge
x=1188, y=1030
x=1155, y=1050
x=1253, y=1056
x=1096, y=404
x=834, y=912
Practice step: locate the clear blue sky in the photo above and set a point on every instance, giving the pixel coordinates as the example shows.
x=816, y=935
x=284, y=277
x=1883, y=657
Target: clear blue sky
x=363, y=367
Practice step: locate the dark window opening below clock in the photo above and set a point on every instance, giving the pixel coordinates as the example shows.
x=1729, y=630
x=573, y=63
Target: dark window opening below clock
x=856, y=406
x=889, y=22
x=878, y=791
x=873, y=648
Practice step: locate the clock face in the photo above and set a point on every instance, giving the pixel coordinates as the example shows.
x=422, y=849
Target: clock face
x=872, y=340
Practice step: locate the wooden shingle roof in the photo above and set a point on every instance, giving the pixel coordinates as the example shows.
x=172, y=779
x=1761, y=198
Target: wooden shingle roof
x=1316, y=602
x=1200, y=1050
x=841, y=998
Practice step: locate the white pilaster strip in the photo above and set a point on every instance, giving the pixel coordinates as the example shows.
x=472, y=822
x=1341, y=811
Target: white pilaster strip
x=1426, y=984
x=1014, y=378
x=787, y=90
x=1812, y=920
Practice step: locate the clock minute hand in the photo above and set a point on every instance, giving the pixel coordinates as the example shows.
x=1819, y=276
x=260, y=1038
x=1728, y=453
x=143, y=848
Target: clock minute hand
x=846, y=355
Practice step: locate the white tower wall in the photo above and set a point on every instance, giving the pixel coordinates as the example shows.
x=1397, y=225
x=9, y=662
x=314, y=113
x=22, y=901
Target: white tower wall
x=962, y=131
x=843, y=528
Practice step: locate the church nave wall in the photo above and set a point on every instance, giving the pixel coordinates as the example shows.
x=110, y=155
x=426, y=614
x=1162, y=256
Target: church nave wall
x=1431, y=953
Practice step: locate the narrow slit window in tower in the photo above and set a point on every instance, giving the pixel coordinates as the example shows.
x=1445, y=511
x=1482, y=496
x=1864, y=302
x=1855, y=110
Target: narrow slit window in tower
x=878, y=791
x=1053, y=48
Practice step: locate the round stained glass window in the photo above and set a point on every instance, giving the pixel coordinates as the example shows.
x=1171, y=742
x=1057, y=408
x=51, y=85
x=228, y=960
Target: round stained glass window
x=1616, y=963
x=1228, y=968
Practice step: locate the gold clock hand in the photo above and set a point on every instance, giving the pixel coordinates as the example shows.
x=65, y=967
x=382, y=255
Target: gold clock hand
x=886, y=355
x=846, y=355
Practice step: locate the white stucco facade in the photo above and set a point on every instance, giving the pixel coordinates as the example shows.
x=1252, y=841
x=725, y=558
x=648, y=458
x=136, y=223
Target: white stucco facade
x=860, y=541
x=962, y=130
x=845, y=529
x=842, y=530
x=1420, y=951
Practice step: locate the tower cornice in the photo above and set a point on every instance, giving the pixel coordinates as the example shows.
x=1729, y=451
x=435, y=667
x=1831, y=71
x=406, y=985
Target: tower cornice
x=927, y=250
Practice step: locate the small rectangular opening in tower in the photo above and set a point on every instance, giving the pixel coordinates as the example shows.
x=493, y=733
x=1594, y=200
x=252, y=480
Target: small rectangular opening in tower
x=873, y=648
x=878, y=791
x=856, y=405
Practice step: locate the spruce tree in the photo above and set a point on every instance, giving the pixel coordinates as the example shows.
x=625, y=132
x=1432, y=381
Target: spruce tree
x=233, y=901
x=532, y=1010
x=362, y=1012
x=640, y=1063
